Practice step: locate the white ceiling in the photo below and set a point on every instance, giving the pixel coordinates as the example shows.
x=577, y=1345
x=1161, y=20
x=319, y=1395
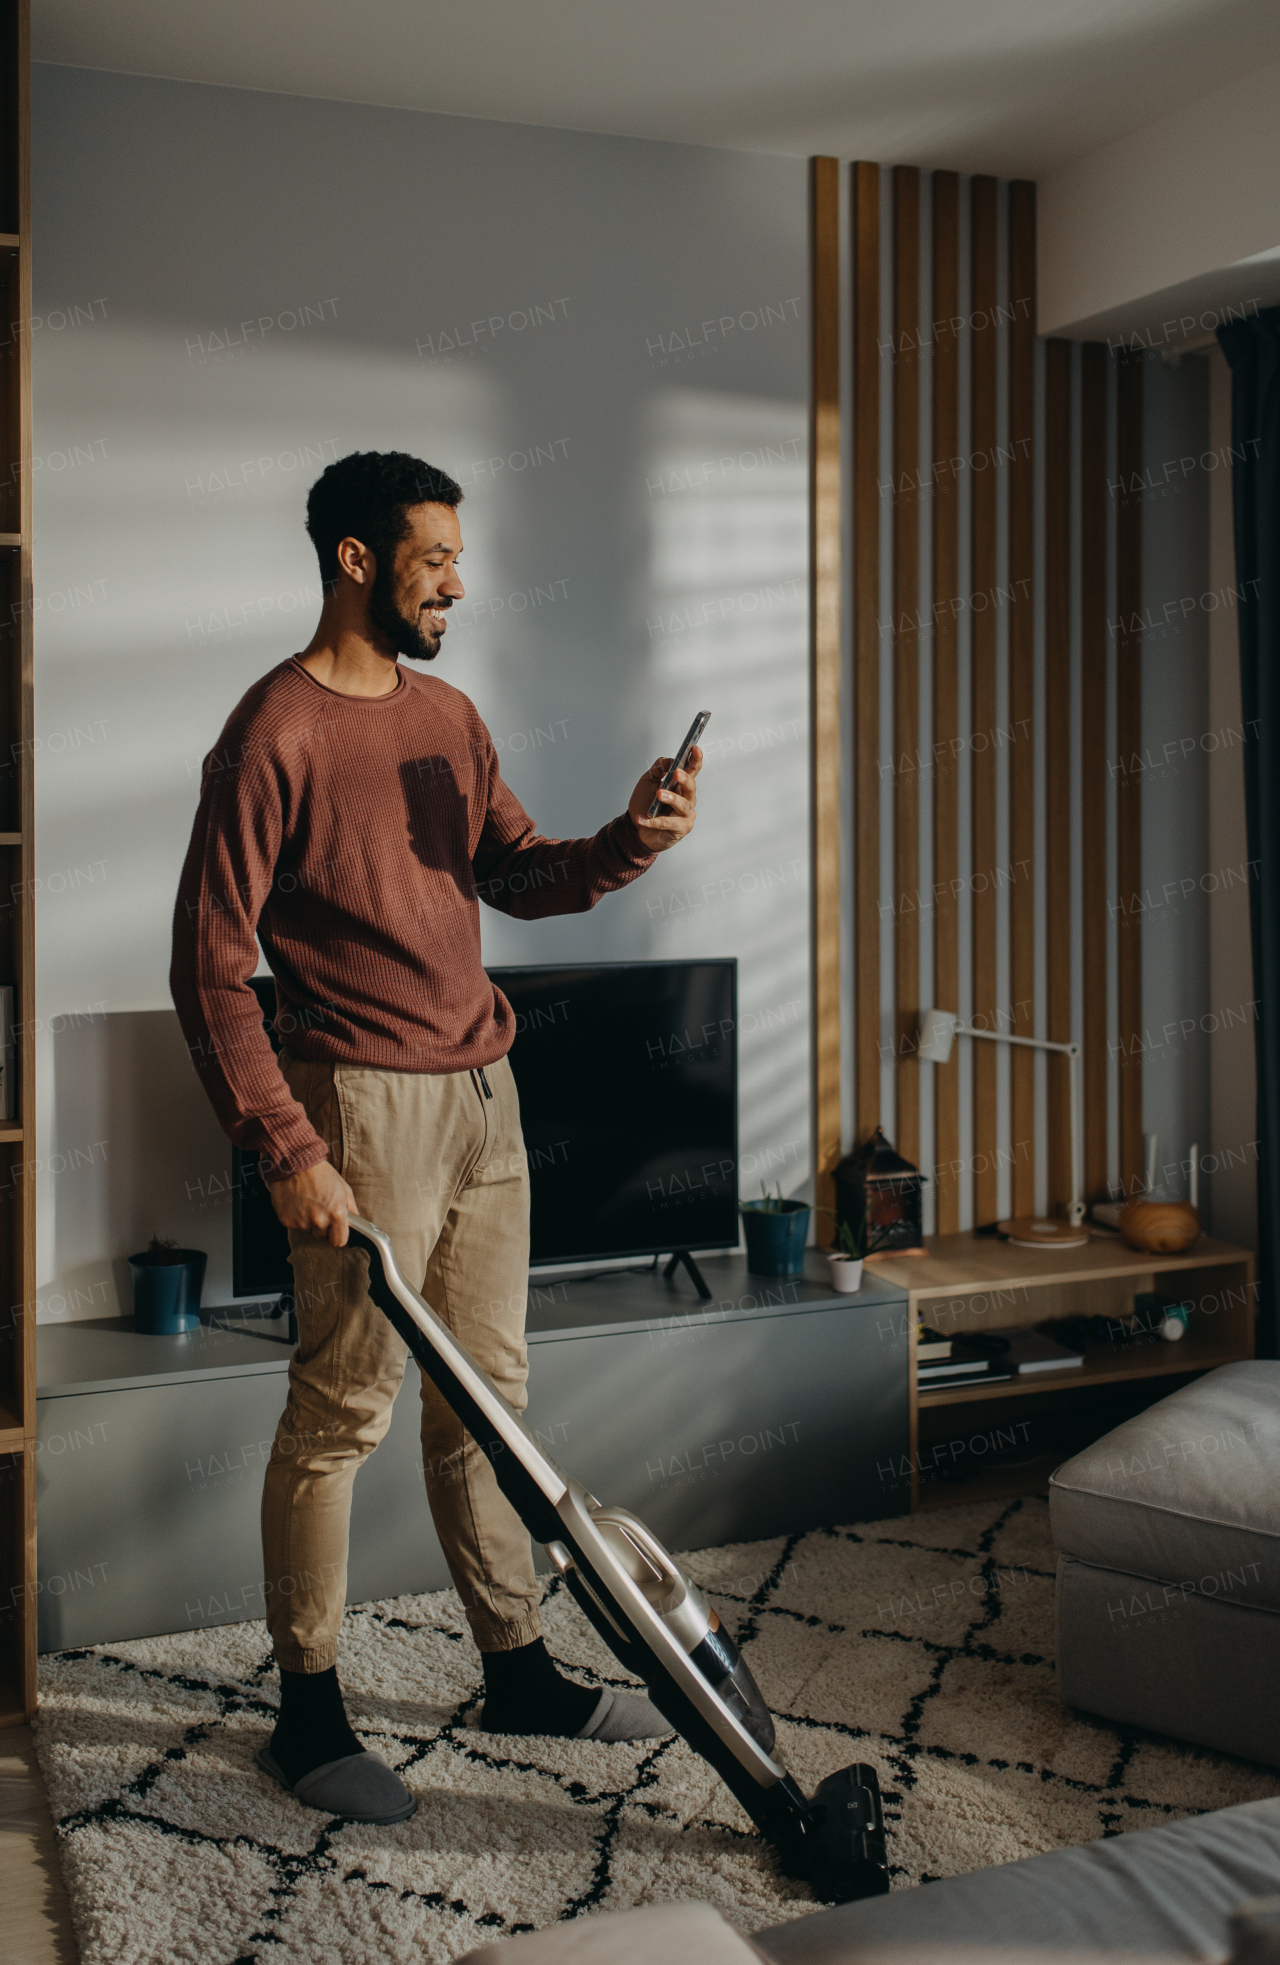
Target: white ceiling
x=1014, y=87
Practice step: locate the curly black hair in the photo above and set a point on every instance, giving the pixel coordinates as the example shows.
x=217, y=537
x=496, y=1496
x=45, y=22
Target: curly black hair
x=365, y=497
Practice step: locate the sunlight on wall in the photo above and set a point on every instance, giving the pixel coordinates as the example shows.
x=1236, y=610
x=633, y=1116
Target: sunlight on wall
x=728, y=624
x=182, y=587
x=506, y=303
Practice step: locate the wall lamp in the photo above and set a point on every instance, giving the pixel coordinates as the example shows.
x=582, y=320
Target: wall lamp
x=940, y=1028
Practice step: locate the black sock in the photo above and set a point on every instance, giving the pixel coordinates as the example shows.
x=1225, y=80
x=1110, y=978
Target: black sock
x=524, y=1693
x=313, y=1725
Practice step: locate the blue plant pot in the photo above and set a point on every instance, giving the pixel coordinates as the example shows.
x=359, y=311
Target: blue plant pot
x=166, y=1295
x=776, y=1238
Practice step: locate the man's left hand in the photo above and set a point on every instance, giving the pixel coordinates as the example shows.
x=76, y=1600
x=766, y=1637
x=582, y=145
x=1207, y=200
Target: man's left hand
x=679, y=804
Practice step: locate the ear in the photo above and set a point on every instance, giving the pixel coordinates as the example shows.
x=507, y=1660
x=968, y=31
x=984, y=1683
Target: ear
x=357, y=562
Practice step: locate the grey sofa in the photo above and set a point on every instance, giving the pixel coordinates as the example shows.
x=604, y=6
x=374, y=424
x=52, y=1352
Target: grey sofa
x=1168, y=1539
x=1153, y=1896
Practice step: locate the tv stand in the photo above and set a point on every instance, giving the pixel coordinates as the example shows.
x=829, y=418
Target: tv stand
x=682, y=1256
x=238, y=1316
x=779, y=1405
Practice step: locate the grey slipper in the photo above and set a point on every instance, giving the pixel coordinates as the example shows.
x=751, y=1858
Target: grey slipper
x=360, y=1787
x=625, y=1716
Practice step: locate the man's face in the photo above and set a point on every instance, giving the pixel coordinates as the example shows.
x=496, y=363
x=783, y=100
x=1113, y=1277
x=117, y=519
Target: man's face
x=410, y=598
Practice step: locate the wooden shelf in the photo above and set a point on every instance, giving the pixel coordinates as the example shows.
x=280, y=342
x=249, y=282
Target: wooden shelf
x=11, y=1428
x=17, y=1246
x=998, y=1485
x=966, y=1283
x=971, y=1265
x=1098, y=1369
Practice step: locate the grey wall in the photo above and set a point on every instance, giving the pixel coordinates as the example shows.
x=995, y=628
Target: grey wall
x=606, y=341
x=1199, y=1012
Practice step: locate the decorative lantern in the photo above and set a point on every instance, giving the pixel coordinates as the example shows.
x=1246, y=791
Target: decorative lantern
x=880, y=1196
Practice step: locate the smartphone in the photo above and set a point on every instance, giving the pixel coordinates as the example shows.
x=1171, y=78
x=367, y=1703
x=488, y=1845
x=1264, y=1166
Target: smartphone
x=696, y=728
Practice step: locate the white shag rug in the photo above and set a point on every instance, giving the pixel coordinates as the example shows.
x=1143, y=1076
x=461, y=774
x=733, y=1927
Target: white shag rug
x=923, y=1645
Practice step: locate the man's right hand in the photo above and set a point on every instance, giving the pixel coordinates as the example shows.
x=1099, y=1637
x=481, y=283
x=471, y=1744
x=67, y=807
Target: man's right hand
x=318, y=1200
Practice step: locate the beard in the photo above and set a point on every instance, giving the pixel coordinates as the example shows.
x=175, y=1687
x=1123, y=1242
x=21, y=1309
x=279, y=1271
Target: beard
x=405, y=632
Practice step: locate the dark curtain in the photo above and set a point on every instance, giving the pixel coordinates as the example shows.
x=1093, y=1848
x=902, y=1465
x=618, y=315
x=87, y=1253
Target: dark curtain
x=1252, y=347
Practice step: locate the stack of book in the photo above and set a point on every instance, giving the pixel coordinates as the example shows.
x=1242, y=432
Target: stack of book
x=962, y=1360
x=981, y=1358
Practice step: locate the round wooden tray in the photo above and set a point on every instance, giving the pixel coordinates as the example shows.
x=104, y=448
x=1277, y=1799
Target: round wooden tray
x=1040, y=1232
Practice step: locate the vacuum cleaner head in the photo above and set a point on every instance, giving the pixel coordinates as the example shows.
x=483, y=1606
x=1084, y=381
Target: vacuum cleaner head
x=652, y=1616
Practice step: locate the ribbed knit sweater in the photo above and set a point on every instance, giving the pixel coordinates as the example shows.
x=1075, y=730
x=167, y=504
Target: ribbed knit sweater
x=354, y=837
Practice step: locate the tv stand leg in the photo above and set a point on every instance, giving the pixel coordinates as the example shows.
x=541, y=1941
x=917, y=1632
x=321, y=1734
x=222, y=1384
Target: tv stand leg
x=682, y=1256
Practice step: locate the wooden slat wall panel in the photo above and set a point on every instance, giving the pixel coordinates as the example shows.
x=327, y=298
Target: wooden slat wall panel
x=865, y=202
x=946, y=707
x=1093, y=757
x=982, y=581
x=1128, y=747
x=1057, y=756
x=1075, y=600
x=824, y=546
x=906, y=649
x=1021, y=755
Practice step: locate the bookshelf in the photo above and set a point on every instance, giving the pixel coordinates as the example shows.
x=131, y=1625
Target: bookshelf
x=17, y=931
x=966, y=1283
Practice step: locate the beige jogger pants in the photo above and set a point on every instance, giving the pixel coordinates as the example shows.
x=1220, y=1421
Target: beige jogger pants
x=442, y=1169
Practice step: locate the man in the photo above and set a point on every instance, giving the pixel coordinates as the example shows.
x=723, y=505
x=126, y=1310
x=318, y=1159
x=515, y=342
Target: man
x=350, y=818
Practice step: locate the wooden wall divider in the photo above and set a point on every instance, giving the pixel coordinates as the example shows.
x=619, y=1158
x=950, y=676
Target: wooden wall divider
x=983, y=375
x=1020, y=588
x=824, y=546
x=945, y=493
x=865, y=215
x=1068, y=896
x=905, y=913
x=1057, y=760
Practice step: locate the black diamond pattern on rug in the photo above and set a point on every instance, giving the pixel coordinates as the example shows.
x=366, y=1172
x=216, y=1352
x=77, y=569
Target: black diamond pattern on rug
x=923, y=1645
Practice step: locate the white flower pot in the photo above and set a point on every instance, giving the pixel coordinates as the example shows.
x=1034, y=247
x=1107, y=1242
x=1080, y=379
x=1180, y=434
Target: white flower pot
x=846, y=1272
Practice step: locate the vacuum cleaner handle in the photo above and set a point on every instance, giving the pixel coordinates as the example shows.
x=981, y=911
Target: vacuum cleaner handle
x=530, y=1480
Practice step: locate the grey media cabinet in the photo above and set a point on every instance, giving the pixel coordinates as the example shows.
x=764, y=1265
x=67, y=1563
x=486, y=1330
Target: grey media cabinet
x=777, y=1407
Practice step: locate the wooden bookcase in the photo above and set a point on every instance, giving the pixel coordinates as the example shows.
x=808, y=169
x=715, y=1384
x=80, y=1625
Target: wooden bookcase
x=17, y=929
x=965, y=1283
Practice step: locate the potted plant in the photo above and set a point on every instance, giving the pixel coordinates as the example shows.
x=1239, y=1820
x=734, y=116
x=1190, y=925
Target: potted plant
x=776, y=1232
x=167, y=1282
x=846, y=1260
x=853, y=1246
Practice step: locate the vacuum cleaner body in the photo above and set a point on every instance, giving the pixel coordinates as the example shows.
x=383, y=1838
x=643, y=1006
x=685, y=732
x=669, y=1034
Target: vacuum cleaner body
x=655, y=1620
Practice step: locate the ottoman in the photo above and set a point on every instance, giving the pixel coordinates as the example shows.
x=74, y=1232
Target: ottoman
x=1168, y=1540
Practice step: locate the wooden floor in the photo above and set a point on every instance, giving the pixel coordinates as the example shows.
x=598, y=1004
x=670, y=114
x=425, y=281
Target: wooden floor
x=36, y=1917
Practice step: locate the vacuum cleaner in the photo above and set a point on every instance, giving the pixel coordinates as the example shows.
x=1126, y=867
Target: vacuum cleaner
x=657, y=1623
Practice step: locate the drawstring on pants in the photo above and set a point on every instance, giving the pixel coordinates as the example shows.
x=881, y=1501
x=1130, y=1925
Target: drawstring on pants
x=484, y=1082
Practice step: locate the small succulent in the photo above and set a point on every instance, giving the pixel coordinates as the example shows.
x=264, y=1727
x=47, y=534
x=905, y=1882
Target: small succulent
x=162, y=1253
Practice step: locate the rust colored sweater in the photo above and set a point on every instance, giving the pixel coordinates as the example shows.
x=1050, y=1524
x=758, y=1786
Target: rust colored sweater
x=355, y=837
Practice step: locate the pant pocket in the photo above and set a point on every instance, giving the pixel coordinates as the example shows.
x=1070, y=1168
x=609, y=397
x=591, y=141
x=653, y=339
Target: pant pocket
x=316, y=1089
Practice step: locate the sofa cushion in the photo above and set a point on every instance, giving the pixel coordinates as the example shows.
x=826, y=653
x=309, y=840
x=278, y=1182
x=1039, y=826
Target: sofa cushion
x=1194, y=1666
x=1187, y=1493
x=656, y=1934
x=1165, y=1891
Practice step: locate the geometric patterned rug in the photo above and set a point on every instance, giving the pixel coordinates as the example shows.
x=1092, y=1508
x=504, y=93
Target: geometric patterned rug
x=923, y=1645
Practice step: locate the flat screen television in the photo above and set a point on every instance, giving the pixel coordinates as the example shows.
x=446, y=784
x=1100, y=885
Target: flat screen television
x=628, y=1082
